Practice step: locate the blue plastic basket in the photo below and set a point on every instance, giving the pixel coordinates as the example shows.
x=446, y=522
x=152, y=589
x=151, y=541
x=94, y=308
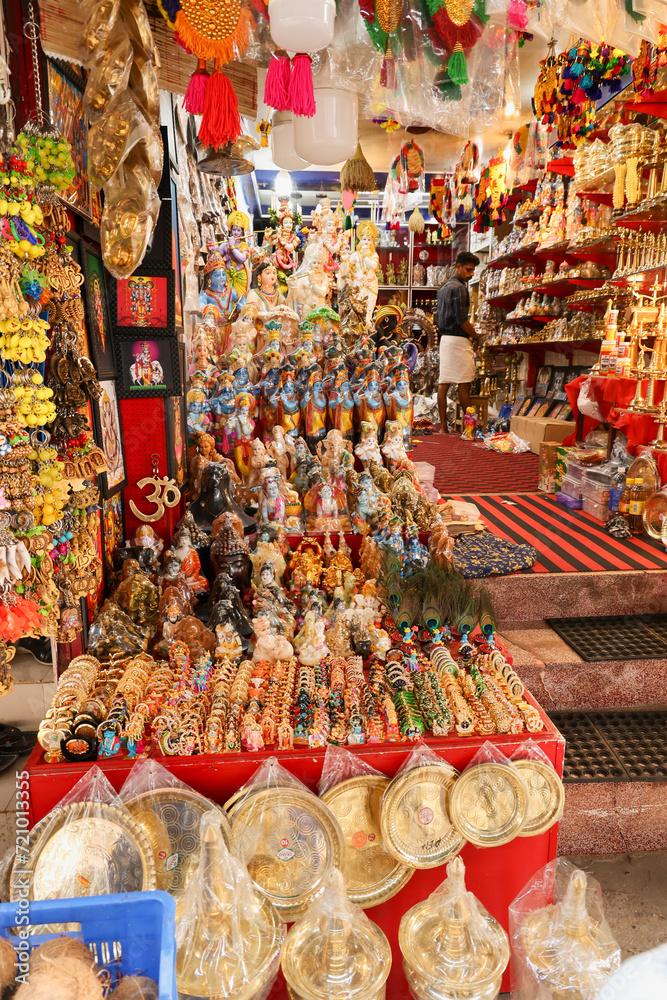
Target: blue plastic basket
x=128, y=933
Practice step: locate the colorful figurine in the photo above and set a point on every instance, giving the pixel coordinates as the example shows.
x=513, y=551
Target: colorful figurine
x=241, y=429
x=399, y=403
x=314, y=409
x=271, y=502
x=288, y=409
x=340, y=406
x=369, y=406
x=469, y=424
x=368, y=449
x=265, y=293
x=393, y=448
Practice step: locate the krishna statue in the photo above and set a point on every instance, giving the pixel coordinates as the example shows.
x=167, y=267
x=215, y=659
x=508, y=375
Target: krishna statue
x=226, y=278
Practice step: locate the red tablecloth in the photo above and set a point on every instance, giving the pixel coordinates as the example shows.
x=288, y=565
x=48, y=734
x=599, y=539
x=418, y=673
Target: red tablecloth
x=611, y=395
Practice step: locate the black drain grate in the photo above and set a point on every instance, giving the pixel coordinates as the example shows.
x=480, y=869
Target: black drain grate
x=613, y=746
x=627, y=637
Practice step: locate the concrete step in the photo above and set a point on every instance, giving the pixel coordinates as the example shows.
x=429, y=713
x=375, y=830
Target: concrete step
x=560, y=679
x=610, y=817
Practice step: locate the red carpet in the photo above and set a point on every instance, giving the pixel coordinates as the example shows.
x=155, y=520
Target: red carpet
x=567, y=541
x=466, y=468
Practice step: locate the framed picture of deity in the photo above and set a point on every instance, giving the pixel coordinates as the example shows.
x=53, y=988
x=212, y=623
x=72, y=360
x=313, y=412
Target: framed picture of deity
x=144, y=302
x=148, y=366
x=97, y=312
x=109, y=436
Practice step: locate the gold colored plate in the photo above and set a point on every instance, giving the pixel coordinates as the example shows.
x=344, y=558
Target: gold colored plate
x=372, y=875
x=287, y=839
x=488, y=804
x=232, y=804
x=171, y=819
x=654, y=515
x=86, y=849
x=546, y=796
x=647, y=469
x=415, y=817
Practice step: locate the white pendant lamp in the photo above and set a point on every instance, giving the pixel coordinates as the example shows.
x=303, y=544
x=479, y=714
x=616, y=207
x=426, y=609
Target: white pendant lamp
x=302, y=25
x=331, y=134
x=282, y=142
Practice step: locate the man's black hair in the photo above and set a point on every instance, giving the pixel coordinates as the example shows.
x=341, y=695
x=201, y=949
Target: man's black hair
x=465, y=257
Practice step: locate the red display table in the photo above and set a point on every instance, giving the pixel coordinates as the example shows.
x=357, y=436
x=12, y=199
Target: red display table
x=495, y=874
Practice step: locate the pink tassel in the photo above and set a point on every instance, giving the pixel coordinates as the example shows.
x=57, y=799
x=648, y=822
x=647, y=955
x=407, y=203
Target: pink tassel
x=517, y=14
x=195, y=95
x=276, y=85
x=301, y=93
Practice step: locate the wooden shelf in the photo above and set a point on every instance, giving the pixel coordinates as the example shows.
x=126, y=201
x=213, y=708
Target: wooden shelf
x=563, y=345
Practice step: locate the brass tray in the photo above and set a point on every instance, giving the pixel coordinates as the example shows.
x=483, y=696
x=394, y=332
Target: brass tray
x=287, y=839
x=415, y=816
x=372, y=875
x=647, y=468
x=654, y=515
x=546, y=796
x=488, y=804
x=171, y=819
x=233, y=804
x=85, y=849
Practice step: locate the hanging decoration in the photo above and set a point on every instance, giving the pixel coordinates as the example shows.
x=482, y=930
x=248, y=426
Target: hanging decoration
x=464, y=181
x=416, y=222
x=588, y=66
x=492, y=196
x=383, y=21
x=440, y=205
x=545, y=98
x=276, y=85
x=357, y=174
x=219, y=30
x=410, y=170
x=458, y=25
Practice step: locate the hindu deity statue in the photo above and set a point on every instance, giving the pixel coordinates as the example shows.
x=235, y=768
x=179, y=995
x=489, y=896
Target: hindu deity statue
x=198, y=411
x=241, y=430
x=238, y=365
x=393, y=448
x=201, y=363
x=183, y=548
x=340, y=405
x=268, y=392
x=223, y=408
x=368, y=401
x=328, y=231
x=288, y=410
x=271, y=502
x=286, y=322
x=368, y=449
x=265, y=293
x=281, y=449
x=314, y=409
x=326, y=329
x=364, y=264
x=310, y=286
x=399, y=404
x=284, y=241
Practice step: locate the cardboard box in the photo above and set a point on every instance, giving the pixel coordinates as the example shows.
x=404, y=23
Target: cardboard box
x=535, y=430
x=547, y=473
x=561, y=463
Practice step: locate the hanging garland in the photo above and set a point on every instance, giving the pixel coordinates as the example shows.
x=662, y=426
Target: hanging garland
x=587, y=67
x=411, y=164
x=459, y=25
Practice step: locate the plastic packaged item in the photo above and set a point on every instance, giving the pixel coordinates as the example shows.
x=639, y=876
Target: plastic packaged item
x=101, y=16
x=286, y=837
x=112, y=137
x=452, y=948
x=353, y=790
x=89, y=845
x=571, y=486
x=129, y=218
x=104, y=920
x=108, y=71
x=596, y=485
x=334, y=952
x=573, y=503
x=586, y=401
x=546, y=795
x=575, y=470
x=228, y=935
x=597, y=510
x=562, y=947
x=489, y=803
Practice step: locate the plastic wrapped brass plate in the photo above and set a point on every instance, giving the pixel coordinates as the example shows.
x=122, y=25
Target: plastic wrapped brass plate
x=546, y=796
x=488, y=804
x=415, y=819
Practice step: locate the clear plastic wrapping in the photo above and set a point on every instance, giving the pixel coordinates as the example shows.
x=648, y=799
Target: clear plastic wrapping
x=334, y=951
x=562, y=946
x=228, y=936
x=450, y=942
x=131, y=210
x=101, y=16
x=108, y=71
x=341, y=765
x=489, y=801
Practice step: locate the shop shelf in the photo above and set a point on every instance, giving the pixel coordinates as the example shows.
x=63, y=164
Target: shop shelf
x=653, y=104
x=393, y=287
x=600, y=197
x=558, y=346
x=530, y=320
x=559, y=288
x=509, y=298
x=603, y=251
x=564, y=165
x=531, y=216
x=643, y=281
x=129, y=933
x=558, y=252
x=650, y=220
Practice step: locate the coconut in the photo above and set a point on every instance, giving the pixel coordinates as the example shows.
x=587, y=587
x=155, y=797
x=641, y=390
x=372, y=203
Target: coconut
x=61, y=979
x=7, y=966
x=136, y=988
x=63, y=947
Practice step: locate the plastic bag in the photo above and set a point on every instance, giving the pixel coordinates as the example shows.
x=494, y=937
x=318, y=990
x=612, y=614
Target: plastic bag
x=89, y=845
x=472, y=948
x=101, y=16
x=495, y=783
x=546, y=795
x=131, y=210
x=276, y=819
x=112, y=137
x=348, y=955
x=108, y=71
x=228, y=936
x=586, y=401
x=562, y=946
x=639, y=978
x=341, y=765
x=506, y=444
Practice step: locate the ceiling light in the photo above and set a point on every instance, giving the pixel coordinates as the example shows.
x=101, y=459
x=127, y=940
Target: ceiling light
x=509, y=108
x=283, y=184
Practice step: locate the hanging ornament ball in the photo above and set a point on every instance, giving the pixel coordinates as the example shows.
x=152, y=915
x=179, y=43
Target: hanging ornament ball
x=302, y=25
x=330, y=136
x=282, y=142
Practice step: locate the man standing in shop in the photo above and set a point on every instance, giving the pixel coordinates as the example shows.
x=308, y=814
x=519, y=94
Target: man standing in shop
x=457, y=335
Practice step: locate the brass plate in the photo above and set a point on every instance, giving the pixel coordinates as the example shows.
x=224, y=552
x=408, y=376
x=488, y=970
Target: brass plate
x=232, y=804
x=372, y=875
x=287, y=839
x=85, y=849
x=654, y=515
x=488, y=804
x=171, y=819
x=415, y=817
x=647, y=468
x=546, y=796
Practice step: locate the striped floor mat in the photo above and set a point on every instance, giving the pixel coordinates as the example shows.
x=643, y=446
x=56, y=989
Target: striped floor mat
x=567, y=541
x=464, y=466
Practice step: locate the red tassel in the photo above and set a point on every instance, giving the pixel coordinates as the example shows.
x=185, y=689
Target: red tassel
x=276, y=85
x=221, y=123
x=388, y=70
x=193, y=102
x=301, y=93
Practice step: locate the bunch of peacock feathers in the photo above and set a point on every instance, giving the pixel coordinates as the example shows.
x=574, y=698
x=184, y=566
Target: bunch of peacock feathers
x=435, y=598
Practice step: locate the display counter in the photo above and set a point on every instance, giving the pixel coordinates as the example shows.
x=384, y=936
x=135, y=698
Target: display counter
x=495, y=875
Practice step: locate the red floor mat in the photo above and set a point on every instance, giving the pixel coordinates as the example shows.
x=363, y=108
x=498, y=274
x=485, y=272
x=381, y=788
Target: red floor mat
x=463, y=467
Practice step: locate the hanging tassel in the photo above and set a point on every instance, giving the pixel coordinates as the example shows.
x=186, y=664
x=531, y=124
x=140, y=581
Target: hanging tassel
x=416, y=222
x=457, y=66
x=301, y=94
x=517, y=14
x=221, y=123
x=193, y=102
x=388, y=71
x=348, y=222
x=276, y=85
x=357, y=173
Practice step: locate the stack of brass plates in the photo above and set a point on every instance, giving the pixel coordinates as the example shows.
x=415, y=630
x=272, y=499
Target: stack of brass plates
x=171, y=819
x=86, y=849
x=546, y=796
x=415, y=816
x=372, y=875
x=488, y=804
x=288, y=839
